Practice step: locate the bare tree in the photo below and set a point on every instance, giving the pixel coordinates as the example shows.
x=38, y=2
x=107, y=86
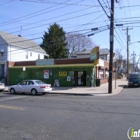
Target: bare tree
x=119, y=55
x=78, y=42
x=120, y=60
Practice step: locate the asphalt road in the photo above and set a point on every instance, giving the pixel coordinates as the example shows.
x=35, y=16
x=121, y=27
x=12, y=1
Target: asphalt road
x=62, y=117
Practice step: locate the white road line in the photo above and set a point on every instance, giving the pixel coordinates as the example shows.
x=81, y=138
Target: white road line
x=12, y=98
x=11, y=107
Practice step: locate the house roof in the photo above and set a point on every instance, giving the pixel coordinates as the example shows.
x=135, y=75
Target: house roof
x=21, y=42
x=102, y=51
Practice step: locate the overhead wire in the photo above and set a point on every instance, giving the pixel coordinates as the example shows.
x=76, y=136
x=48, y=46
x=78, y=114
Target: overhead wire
x=30, y=47
x=6, y=2
x=51, y=18
x=56, y=21
x=24, y=17
x=108, y=6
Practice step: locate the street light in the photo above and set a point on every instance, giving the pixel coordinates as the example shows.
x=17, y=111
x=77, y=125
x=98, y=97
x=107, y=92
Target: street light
x=134, y=42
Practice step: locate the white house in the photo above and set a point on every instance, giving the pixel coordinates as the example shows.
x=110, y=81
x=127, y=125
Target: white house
x=16, y=48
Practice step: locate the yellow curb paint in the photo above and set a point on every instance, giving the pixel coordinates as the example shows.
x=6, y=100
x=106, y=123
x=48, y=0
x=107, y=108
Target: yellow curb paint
x=11, y=107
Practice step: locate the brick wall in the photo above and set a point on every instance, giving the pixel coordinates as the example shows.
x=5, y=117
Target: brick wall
x=72, y=61
x=25, y=63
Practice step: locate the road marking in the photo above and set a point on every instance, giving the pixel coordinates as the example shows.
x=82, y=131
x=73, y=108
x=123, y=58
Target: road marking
x=11, y=107
x=12, y=98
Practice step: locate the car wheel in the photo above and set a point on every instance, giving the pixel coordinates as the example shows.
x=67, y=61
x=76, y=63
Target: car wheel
x=34, y=91
x=12, y=91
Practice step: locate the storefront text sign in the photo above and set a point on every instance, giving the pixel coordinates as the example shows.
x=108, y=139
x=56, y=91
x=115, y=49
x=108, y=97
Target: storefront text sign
x=62, y=73
x=93, y=54
x=101, y=63
x=46, y=74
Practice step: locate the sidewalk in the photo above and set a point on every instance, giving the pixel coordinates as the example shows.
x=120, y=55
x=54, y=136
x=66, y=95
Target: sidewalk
x=92, y=91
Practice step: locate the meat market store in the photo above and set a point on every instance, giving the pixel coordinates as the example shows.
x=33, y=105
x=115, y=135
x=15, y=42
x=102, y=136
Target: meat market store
x=60, y=72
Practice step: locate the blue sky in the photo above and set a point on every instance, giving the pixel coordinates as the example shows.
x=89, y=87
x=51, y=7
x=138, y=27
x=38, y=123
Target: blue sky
x=31, y=18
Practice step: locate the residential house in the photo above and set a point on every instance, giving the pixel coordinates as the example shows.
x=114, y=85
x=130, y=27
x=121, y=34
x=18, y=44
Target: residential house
x=104, y=54
x=16, y=48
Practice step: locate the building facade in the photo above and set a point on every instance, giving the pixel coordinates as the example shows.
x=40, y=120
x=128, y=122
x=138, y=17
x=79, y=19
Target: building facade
x=16, y=48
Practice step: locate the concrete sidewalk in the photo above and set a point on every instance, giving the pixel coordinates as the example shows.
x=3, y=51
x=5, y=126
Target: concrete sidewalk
x=92, y=91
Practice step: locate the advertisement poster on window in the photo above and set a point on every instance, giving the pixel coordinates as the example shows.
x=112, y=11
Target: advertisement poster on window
x=68, y=78
x=56, y=83
x=46, y=74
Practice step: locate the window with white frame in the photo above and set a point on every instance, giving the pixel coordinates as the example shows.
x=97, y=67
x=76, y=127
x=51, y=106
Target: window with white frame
x=1, y=52
x=26, y=55
x=101, y=74
x=30, y=53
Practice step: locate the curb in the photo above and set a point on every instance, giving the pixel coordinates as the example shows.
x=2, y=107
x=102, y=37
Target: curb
x=75, y=94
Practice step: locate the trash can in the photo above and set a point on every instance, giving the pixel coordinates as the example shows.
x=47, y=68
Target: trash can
x=97, y=82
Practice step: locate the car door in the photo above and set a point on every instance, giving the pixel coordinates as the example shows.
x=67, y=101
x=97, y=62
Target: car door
x=19, y=87
x=29, y=86
x=24, y=86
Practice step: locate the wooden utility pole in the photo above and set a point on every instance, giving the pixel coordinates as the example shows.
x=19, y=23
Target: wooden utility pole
x=127, y=41
x=111, y=47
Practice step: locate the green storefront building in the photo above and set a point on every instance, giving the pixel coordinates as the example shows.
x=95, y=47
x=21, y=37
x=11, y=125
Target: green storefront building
x=57, y=75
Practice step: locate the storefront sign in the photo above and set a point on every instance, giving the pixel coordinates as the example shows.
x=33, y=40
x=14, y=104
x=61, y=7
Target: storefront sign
x=94, y=53
x=44, y=62
x=46, y=74
x=93, y=56
x=101, y=63
x=62, y=73
x=95, y=62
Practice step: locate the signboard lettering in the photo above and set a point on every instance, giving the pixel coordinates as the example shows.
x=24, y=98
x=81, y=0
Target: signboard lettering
x=62, y=73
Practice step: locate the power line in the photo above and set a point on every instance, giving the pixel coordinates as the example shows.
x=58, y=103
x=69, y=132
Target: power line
x=22, y=18
x=50, y=18
x=6, y=2
x=104, y=10
x=56, y=21
x=53, y=2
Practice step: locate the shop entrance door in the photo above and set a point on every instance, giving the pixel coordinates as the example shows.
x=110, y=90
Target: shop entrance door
x=80, y=78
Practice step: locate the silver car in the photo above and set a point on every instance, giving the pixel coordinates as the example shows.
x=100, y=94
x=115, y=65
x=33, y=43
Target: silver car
x=2, y=86
x=30, y=86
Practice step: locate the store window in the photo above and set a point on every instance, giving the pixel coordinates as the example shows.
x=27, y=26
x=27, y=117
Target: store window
x=106, y=74
x=101, y=74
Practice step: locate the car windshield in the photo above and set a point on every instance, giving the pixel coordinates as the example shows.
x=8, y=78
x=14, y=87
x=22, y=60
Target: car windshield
x=40, y=82
x=134, y=76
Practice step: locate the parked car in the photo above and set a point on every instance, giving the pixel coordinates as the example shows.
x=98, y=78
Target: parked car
x=30, y=86
x=134, y=79
x=2, y=86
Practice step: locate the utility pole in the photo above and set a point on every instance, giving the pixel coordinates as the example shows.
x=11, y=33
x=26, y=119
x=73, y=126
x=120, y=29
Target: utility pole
x=111, y=46
x=133, y=57
x=128, y=39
